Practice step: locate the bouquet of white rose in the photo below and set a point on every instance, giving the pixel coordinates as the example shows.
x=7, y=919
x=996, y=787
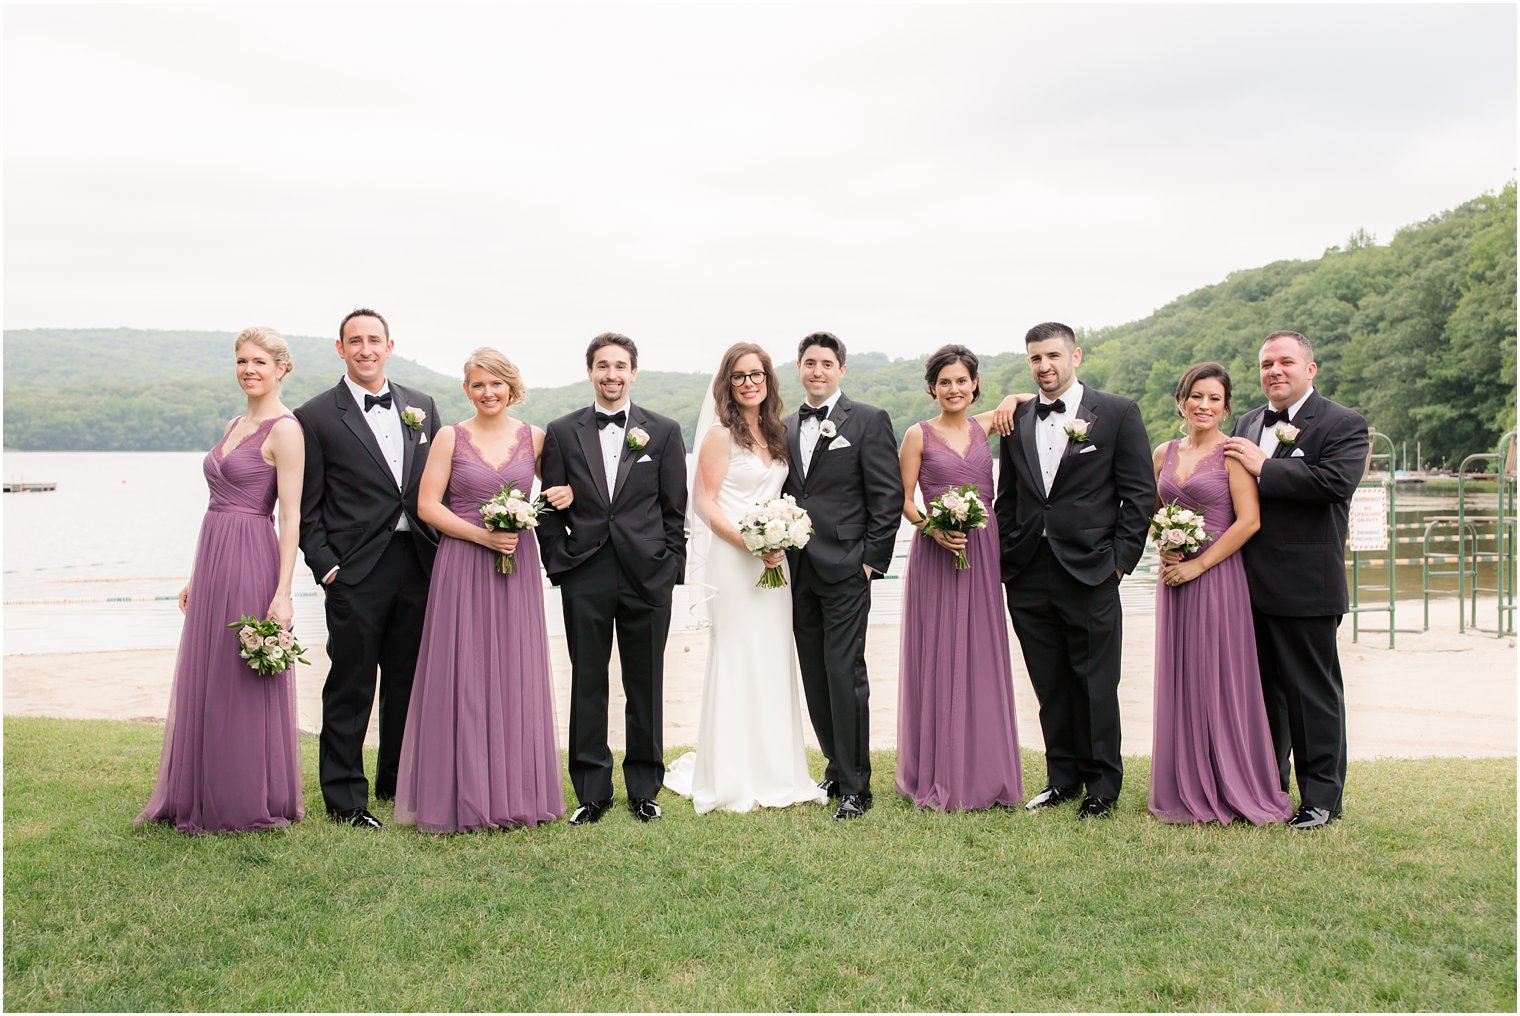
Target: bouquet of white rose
x=1177, y=528
x=510, y=511
x=957, y=510
x=777, y=524
x=268, y=648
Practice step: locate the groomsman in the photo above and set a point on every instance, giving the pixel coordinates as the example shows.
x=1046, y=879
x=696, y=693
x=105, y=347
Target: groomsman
x=1308, y=454
x=366, y=445
x=617, y=554
x=844, y=471
x=1076, y=489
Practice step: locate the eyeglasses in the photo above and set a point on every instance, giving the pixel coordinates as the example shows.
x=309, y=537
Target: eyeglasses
x=754, y=377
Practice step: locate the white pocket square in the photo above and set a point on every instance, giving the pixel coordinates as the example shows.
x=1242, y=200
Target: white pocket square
x=840, y=442
x=1088, y=448
x=1296, y=453
x=422, y=437
x=642, y=458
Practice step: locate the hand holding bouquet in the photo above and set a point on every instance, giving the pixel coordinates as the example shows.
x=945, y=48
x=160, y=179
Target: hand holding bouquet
x=777, y=524
x=1175, y=528
x=510, y=511
x=268, y=648
x=957, y=510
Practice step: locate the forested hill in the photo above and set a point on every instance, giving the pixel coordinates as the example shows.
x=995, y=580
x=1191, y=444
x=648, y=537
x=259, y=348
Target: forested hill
x=1417, y=333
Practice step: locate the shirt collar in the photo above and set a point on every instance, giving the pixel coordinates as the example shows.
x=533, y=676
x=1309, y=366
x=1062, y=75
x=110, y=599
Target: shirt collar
x=359, y=392
x=1293, y=409
x=1071, y=399
x=831, y=401
x=626, y=404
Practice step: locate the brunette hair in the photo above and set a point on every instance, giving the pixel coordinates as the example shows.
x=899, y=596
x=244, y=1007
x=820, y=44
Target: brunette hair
x=943, y=357
x=827, y=340
x=613, y=339
x=363, y=312
x=1303, y=342
x=487, y=359
x=271, y=342
x=731, y=416
x=1201, y=372
x=1051, y=330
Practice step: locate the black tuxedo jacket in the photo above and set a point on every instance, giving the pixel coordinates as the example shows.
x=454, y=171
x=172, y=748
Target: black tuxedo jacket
x=349, y=499
x=1098, y=510
x=645, y=518
x=1296, y=562
x=852, y=492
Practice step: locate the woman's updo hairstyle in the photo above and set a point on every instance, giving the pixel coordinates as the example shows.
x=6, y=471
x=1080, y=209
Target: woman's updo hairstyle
x=943, y=357
x=1202, y=372
x=487, y=359
x=271, y=342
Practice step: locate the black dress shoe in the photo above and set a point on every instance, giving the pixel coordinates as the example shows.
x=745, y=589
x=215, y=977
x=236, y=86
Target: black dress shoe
x=1095, y=807
x=359, y=818
x=589, y=812
x=1052, y=796
x=644, y=809
x=830, y=787
x=852, y=806
x=1309, y=818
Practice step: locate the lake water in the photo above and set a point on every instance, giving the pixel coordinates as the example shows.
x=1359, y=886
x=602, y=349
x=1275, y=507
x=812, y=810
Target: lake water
x=98, y=563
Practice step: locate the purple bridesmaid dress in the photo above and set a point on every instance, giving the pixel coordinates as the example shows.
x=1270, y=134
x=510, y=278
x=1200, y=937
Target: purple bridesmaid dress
x=957, y=742
x=230, y=759
x=479, y=749
x=1212, y=757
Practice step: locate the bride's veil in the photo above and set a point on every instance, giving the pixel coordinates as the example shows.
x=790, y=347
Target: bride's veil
x=698, y=534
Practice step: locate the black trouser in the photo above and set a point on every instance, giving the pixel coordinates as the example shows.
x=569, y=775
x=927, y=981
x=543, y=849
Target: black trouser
x=1072, y=635
x=598, y=600
x=374, y=623
x=829, y=622
x=1306, y=703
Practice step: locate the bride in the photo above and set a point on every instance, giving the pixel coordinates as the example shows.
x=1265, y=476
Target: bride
x=749, y=742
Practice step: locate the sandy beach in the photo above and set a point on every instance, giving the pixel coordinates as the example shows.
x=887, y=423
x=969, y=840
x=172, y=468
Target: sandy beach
x=1439, y=693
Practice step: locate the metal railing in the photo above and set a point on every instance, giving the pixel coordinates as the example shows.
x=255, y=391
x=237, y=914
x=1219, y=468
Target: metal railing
x=1385, y=557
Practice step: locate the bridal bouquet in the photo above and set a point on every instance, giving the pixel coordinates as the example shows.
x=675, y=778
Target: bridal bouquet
x=777, y=524
x=268, y=648
x=1177, y=528
x=957, y=510
x=510, y=511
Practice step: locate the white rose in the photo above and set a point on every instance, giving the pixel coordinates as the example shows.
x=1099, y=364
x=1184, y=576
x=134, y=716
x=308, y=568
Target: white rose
x=1182, y=516
x=1077, y=427
x=775, y=531
x=1176, y=537
x=798, y=532
x=754, y=541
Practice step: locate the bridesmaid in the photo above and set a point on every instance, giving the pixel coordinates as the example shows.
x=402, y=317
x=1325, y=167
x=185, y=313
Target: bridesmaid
x=1211, y=757
x=230, y=759
x=957, y=740
x=479, y=749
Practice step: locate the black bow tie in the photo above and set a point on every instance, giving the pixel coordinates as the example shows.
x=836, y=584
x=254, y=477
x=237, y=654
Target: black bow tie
x=619, y=418
x=804, y=411
x=1046, y=408
x=371, y=401
x=1272, y=417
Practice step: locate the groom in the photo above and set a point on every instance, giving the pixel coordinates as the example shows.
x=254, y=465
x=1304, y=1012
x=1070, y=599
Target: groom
x=366, y=445
x=844, y=472
x=616, y=554
x=1308, y=455
x=1076, y=490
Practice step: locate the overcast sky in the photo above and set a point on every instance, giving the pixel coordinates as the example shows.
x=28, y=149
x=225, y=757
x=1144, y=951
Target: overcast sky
x=526, y=177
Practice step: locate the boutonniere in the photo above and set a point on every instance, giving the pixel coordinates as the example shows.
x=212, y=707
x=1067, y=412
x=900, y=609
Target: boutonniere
x=1076, y=429
x=637, y=438
x=413, y=417
x=1286, y=433
x=827, y=430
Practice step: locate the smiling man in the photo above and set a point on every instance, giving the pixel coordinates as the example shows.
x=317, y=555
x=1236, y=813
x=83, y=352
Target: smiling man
x=616, y=555
x=1308, y=455
x=1075, y=493
x=366, y=445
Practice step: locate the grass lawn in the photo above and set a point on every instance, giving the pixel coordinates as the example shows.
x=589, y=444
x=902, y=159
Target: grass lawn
x=1408, y=903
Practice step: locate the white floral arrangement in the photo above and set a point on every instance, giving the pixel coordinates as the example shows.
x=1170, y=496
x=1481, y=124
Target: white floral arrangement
x=267, y=647
x=1286, y=433
x=1177, y=528
x=957, y=510
x=1076, y=429
x=413, y=417
x=510, y=511
x=637, y=438
x=826, y=430
x=777, y=524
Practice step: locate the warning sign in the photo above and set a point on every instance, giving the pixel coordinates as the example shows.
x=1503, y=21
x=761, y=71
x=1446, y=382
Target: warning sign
x=1369, y=519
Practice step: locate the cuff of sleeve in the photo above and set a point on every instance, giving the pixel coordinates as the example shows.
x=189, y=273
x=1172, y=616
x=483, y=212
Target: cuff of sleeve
x=328, y=577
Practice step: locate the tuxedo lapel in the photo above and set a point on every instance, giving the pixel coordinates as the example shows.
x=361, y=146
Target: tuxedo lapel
x=591, y=447
x=1073, y=446
x=1303, y=421
x=353, y=419
x=837, y=416
x=1028, y=441
x=408, y=435
x=1254, y=424
x=627, y=456
x=794, y=450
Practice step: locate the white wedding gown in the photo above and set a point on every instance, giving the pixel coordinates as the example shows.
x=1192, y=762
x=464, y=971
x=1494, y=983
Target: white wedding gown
x=750, y=751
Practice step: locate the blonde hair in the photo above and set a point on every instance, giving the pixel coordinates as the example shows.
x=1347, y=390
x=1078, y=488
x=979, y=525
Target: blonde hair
x=271, y=342
x=487, y=359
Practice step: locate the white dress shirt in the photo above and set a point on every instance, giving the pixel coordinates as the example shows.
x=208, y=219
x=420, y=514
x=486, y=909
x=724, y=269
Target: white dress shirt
x=385, y=424
x=1050, y=433
x=1268, y=440
x=613, y=446
x=807, y=432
